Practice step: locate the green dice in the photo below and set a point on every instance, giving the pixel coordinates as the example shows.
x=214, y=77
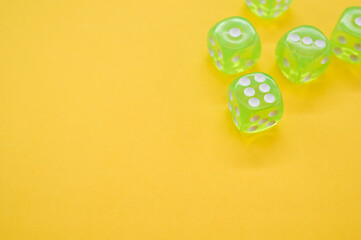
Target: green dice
x=268, y=8
x=234, y=45
x=255, y=102
x=303, y=54
x=346, y=37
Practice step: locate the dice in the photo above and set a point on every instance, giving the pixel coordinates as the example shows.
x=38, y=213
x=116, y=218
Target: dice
x=255, y=102
x=303, y=54
x=346, y=37
x=234, y=45
x=268, y=8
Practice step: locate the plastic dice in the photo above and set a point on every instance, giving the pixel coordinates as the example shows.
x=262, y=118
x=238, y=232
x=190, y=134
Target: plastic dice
x=268, y=8
x=234, y=45
x=303, y=54
x=346, y=37
x=255, y=102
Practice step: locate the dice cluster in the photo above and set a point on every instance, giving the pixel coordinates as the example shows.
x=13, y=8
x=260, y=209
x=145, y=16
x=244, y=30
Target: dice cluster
x=302, y=54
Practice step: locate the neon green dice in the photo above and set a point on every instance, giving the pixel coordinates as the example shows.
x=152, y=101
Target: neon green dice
x=234, y=45
x=303, y=54
x=255, y=102
x=346, y=37
x=268, y=9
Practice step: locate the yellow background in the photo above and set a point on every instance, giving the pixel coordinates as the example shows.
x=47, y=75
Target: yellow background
x=114, y=125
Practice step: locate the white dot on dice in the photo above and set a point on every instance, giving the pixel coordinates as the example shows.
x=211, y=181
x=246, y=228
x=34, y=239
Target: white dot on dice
x=235, y=32
x=294, y=38
x=254, y=102
x=249, y=92
x=254, y=118
x=358, y=21
x=244, y=81
x=269, y=98
x=264, y=87
x=260, y=77
x=307, y=40
x=320, y=43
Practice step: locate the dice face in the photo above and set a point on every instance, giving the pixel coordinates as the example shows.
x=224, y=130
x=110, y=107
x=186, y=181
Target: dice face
x=234, y=45
x=346, y=37
x=303, y=54
x=268, y=8
x=255, y=102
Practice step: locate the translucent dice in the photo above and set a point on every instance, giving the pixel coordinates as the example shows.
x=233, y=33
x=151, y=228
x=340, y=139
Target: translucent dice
x=268, y=8
x=255, y=102
x=303, y=54
x=234, y=45
x=346, y=37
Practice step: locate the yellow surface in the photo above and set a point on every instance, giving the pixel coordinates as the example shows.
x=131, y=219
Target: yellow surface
x=114, y=125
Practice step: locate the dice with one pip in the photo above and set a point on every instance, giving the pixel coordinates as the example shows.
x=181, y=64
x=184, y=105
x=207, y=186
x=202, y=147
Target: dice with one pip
x=255, y=102
x=346, y=37
x=303, y=54
x=268, y=8
x=234, y=45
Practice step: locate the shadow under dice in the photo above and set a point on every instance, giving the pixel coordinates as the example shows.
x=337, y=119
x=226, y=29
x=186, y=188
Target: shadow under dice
x=303, y=54
x=268, y=8
x=234, y=45
x=255, y=102
x=346, y=37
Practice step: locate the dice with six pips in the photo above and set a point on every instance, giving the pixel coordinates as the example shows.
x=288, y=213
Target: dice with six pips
x=255, y=102
x=303, y=54
x=234, y=45
x=268, y=8
x=346, y=37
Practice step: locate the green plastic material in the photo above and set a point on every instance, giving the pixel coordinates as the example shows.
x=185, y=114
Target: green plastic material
x=303, y=54
x=234, y=45
x=346, y=37
x=268, y=9
x=255, y=102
